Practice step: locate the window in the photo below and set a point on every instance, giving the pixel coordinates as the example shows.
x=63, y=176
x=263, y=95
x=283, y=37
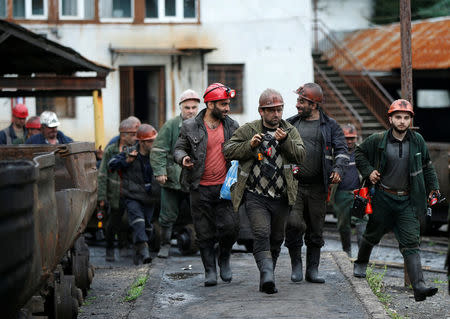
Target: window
x=170, y=10
x=30, y=9
x=117, y=9
x=64, y=107
x=3, y=8
x=433, y=98
x=231, y=75
x=76, y=9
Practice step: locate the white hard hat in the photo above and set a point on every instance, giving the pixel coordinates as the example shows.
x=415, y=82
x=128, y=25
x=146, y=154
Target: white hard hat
x=49, y=119
x=189, y=95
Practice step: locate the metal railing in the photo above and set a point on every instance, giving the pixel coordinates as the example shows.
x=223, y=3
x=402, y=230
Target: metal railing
x=334, y=97
x=352, y=71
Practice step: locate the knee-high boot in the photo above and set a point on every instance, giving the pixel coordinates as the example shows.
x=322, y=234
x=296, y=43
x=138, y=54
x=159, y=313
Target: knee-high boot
x=312, y=265
x=265, y=266
x=414, y=267
x=296, y=263
x=209, y=262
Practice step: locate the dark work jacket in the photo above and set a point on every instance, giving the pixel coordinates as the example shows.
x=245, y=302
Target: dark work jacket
x=40, y=139
x=136, y=177
x=11, y=134
x=335, y=156
x=192, y=142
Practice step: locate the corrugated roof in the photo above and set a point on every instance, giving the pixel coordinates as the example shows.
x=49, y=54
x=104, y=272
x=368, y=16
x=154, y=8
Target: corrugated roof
x=379, y=48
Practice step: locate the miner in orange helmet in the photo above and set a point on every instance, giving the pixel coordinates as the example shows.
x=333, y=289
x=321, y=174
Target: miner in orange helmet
x=398, y=164
x=265, y=149
x=16, y=133
x=343, y=197
x=167, y=172
x=204, y=167
x=136, y=187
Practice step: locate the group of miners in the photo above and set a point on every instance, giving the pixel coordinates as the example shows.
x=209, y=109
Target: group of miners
x=287, y=170
x=41, y=129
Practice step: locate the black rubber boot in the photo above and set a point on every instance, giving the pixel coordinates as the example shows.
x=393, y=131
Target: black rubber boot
x=166, y=236
x=265, y=266
x=346, y=240
x=209, y=263
x=296, y=263
x=414, y=267
x=224, y=263
x=110, y=254
x=312, y=265
x=360, y=265
x=142, y=255
x=275, y=255
x=360, y=229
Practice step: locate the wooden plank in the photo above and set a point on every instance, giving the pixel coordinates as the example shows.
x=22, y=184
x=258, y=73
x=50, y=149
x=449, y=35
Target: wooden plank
x=53, y=83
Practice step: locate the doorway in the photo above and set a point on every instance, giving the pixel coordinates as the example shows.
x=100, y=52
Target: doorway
x=142, y=94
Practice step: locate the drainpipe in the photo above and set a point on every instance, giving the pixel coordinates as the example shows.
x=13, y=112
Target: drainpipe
x=98, y=119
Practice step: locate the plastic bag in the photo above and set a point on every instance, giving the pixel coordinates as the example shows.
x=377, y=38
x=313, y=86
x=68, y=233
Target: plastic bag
x=230, y=179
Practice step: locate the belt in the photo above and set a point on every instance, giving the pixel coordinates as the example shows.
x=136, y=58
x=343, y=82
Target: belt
x=393, y=191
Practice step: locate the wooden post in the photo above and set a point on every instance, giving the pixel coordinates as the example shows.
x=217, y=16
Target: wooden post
x=406, y=71
x=98, y=119
x=316, y=27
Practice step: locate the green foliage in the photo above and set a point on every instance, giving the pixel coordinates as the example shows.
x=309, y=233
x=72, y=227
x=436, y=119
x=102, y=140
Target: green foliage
x=89, y=300
x=388, y=11
x=136, y=288
x=375, y=281
x=438, y=281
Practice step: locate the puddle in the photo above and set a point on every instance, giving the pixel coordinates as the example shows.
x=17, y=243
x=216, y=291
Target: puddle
x=182, y=275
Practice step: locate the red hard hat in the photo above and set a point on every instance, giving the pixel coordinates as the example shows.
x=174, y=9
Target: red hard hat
x=20, y=111
x=311, y=92
x=146, y=132
x=401, y=105
x=33, y=122
x=270, y=98
x=218, y=91
x=349, y=130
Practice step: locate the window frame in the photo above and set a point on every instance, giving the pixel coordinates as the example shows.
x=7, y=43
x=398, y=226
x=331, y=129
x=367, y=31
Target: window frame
x=80, y=8
x=29, y=11
x=179, y=10
x=112, y=19
x=224, y=67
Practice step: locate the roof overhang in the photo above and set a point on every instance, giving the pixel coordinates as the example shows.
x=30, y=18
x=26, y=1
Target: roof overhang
x=38, y=66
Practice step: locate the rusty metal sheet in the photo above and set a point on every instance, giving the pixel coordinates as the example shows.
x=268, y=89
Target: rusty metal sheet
x=379, y=49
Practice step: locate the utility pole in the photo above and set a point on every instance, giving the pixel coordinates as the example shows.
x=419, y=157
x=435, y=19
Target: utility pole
x=316, y=26
x=406, y=69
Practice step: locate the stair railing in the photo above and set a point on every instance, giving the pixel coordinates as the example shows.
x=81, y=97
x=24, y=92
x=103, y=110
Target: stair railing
x=333, y=93
x=352, y=71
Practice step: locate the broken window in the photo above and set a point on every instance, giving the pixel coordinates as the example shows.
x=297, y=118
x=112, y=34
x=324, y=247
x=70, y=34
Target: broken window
x=431, y=98
x=116, y=9
x=232, y=76
x=64, y=107
x=77, y=9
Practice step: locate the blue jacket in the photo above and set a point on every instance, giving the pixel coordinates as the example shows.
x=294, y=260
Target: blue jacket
x=12, y=134
x=335, y=146
x=40, y=139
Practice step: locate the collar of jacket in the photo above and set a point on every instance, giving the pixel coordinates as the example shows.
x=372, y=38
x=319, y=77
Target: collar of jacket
x=199, y=119
x=382, y=145
x=13, y=135
x=323, y=118
x=258, y=125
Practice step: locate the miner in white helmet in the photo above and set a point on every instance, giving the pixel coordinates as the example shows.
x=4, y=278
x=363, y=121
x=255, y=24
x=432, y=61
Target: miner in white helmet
x=49, y=131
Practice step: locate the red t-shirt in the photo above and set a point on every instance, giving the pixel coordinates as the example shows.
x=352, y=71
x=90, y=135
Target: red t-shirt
x=215, y=164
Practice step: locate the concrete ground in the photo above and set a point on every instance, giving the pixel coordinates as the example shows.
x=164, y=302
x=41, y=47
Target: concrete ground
x=175, y=290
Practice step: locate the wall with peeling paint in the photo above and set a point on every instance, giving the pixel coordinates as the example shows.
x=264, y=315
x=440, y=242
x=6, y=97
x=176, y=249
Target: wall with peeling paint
x=273, y=41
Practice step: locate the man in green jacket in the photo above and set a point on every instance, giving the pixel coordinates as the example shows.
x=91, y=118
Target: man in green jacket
x=397, y=162
x=167, y=172
x=109, y=188
x=265, y=150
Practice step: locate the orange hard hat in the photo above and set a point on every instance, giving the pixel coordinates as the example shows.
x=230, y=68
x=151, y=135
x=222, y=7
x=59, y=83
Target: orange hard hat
x=20, y=111
x=400, y=105
x=349, y=130
x=270, y=98
x=218, y=91
x=146, y=132
x=311, y=92
x=33, y=122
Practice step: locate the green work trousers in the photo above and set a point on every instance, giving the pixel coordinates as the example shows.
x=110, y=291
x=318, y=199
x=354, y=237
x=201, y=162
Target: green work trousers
x=396, y=213
x=170, y=205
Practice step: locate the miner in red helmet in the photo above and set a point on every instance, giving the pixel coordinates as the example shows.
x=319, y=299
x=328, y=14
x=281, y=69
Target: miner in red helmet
x=17, y=130
x=324, y=164
x=136, y=187
x=204, y=167
x=265, y=149
x=398, y=164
